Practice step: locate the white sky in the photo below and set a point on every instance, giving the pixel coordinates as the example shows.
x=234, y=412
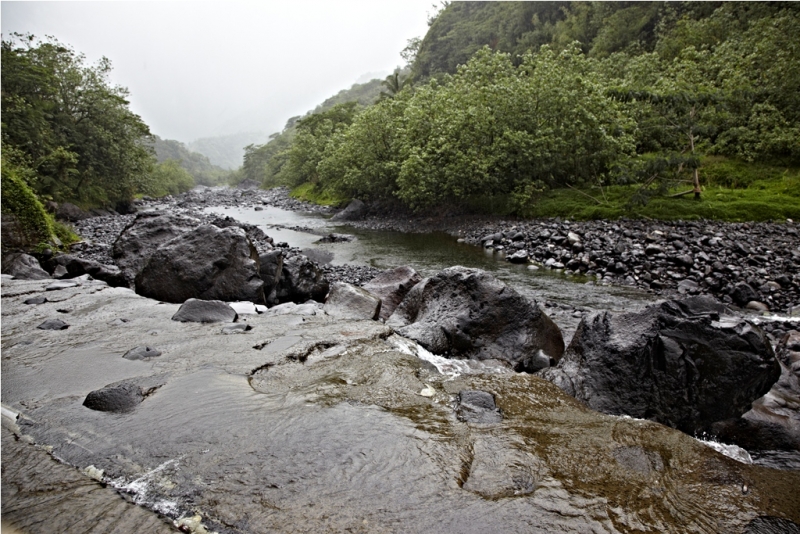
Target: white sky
x=201, y=69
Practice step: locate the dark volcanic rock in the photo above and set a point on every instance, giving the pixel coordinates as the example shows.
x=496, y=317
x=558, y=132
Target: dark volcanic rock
x=353, y=212
x=205, y=263
x=677, y=363
x=53, y=324
x=23, y=267
x=391, y=287
x=346, y=301
x=36, y=300
x=301, y=280
x=269, y=269
x=121, y=397
x=76, y=266
x=773, y=423
x=205, y=311
x=468, y=313
x=142, y=236
x=477, y=407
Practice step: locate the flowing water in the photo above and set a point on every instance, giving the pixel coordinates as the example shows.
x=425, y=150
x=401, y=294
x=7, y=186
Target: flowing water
x=305, y=424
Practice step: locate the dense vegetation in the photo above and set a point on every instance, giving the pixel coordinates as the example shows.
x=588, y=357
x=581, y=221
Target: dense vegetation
x=509, y=101
x=69, y=135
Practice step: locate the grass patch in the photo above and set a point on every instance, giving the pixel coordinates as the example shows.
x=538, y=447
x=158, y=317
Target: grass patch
x=732, y=191
x=311, y=193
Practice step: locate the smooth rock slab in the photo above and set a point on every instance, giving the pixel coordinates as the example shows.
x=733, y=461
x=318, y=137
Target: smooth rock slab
x=205, y=311
x=346, y=301
x=53, y=324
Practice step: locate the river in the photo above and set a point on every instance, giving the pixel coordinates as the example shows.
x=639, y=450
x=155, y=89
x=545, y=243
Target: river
x=306, y=424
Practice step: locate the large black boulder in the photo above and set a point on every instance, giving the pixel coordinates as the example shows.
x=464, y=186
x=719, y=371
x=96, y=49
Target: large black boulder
x=467, y=313
x=123, y=396
x=208, y=263
x=142, y=236
x=270, y=268
x=205, y=311
x=681, y=363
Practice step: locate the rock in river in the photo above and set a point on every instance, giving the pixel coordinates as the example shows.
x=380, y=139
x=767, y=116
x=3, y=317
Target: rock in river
x=206, y=263
x=462, y=312
x=679, y=363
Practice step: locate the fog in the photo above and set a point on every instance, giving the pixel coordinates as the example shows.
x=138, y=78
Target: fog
x=203, y=69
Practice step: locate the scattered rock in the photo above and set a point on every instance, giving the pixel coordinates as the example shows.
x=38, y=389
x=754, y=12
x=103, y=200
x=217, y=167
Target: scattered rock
x=205, y=311
x=467, y=313
x=679, y=363
x=346, y=301
x=36, y=300
x=53, y=324
x=75, y=266
x=121, y=397
x=70, y=212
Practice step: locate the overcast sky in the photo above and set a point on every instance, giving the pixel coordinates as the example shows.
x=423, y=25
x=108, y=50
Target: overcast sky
x=202, y=69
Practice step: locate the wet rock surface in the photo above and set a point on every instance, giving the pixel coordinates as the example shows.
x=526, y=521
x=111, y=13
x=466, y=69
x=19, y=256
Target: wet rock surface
x=141, y=353
x=477, y=407
x=468, y=313
x=121, y=397
x=330, y=414
x=682, y=363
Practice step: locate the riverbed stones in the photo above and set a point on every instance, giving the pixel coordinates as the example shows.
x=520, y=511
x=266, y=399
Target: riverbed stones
x=140, y=238
x=391, y=286
x=346, y=301
x=682, y=363
x=208, y=263
x=467, y=313
x=205, y=311
x=23, y=267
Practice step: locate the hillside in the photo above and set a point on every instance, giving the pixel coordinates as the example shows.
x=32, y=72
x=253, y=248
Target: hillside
x=197, y=165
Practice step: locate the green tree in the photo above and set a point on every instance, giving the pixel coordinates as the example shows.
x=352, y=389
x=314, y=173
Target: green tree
x=75, y=129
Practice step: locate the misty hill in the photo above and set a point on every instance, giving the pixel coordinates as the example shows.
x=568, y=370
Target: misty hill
x=198, y=165
x=227, y=151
